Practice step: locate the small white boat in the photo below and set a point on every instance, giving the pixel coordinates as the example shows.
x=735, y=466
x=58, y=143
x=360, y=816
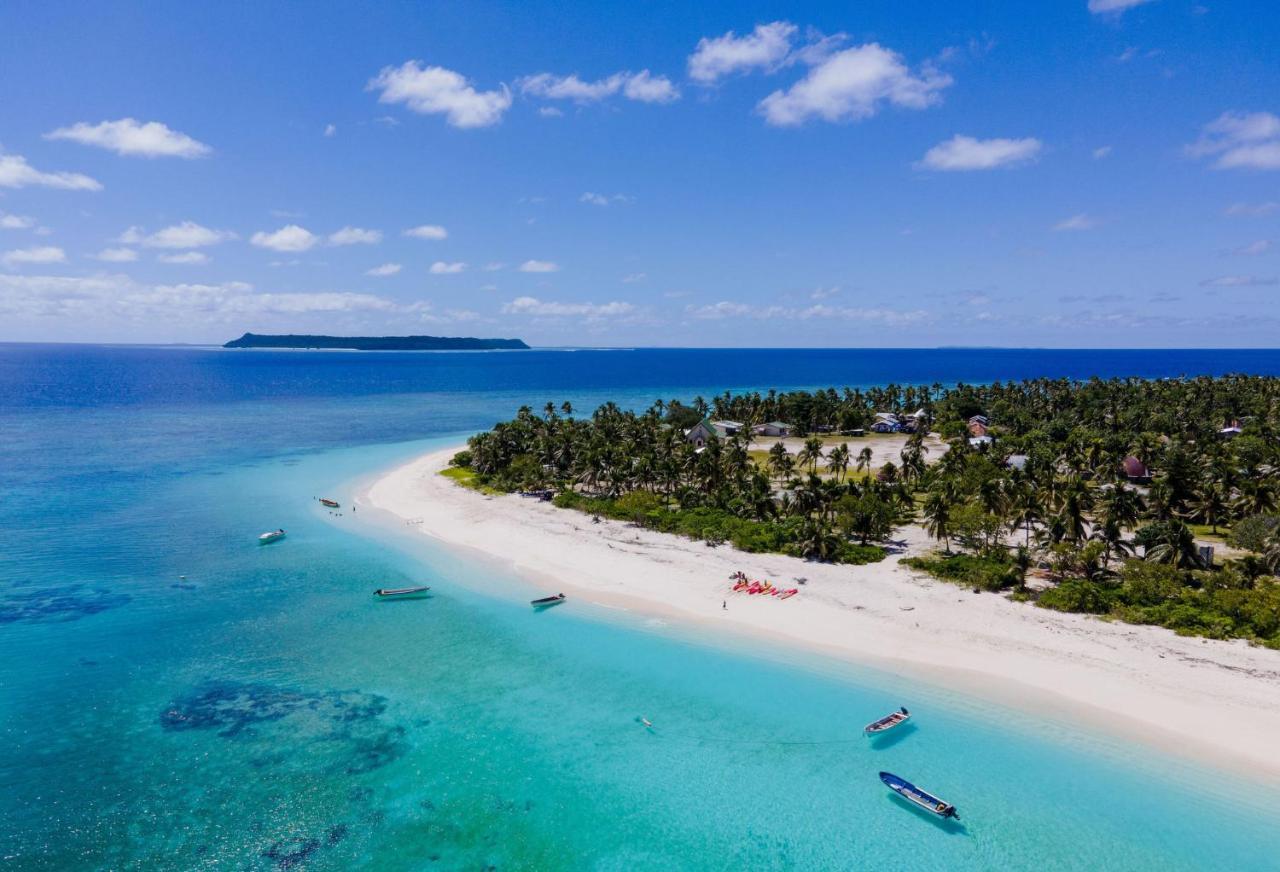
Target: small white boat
x=268, y=538
x=402, y=592
x=888, y=722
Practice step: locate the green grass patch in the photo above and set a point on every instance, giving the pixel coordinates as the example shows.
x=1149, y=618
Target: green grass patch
x=984, y=573
x=468, y=478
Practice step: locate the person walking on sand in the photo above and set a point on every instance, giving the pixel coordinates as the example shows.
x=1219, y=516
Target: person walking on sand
x=724, y=604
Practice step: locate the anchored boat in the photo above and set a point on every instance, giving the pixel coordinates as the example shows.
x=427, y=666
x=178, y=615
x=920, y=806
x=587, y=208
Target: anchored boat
x=401, y=592
x=888, y=722
x=918, y=797
x=329, y=504
x=267, y=538
x=547, y=601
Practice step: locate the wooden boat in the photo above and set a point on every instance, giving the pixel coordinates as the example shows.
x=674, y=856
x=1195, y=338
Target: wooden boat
x=400, y=591
x=888, y=722
x=547, y=601
x=918, y=797
x=329, y=504
x=267, y=538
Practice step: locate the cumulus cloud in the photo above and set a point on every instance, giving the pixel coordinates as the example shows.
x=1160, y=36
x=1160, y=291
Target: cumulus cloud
x=764, y=48
x=15, y=172
x=728, y=309
x=291, y=237
x=546, y=308
x=132, y=138
x=355, y=236
x=427, y=231
x=441, y=268
x=853, y=84
x=16, y=222
x=960, y=153
x=118, y=296
x=438, y=91
x=186, y=257
x=1238, y=282
x=37, y=255
x=1239, y=140
x=387, y=269
x=539, y=266
x=117, y=255
x=1076, y=222
x=1113, y=7
x=642, y=86
x=188, y=234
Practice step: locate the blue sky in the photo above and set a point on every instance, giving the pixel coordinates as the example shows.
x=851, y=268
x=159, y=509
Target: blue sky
x=1068, y=173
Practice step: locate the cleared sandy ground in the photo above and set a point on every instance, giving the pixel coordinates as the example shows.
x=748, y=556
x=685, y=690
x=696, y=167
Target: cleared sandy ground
x=1217, y=702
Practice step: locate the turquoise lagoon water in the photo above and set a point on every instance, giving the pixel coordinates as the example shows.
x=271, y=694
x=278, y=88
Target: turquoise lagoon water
x=265, y=713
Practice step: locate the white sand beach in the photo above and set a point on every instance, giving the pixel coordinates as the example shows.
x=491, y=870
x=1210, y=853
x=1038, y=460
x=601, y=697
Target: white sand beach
x=1211, y=701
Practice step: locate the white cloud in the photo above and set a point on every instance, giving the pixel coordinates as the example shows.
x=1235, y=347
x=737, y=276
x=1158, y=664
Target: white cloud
x=440, y=268
x=966, y=153
x=330, y=130
x=539, y=266
x=133, y=139
x=852, y=84
x=1240, y=141
x=188, y=234
x=603, y=199
x=1113, y=7
x=824, y=293
x=1101, y=152
x=117, y=255
x=550, y=112
x=726, y=309
x=633, y=278
x=1253, y=210
x=541, y=308
x=427, y=231
x=1259, y=246
x=1076, y=222
x=186, y=257
x=764, y=48
x=291, y=237
x=41, y=254
x=16, y=222
x=438, y=91
x=232, y=303
x=642, y=86
x=355, y=236
x=647, y=88
x=387, y=269
x=15, y=172
x=1238, y=282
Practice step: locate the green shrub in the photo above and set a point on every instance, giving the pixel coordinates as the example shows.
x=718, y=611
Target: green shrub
x=1077, y=595
x=461, y=459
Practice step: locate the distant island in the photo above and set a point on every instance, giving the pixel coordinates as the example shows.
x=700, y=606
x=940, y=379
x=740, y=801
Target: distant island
x=376, y=343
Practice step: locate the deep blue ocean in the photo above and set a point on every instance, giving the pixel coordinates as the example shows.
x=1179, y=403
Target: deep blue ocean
x=174, y=696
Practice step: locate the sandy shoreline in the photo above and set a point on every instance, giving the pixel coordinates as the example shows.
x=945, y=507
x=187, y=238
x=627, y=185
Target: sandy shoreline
x=1213, y=702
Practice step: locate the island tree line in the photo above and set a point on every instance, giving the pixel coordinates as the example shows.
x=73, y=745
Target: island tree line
x=1053, y=495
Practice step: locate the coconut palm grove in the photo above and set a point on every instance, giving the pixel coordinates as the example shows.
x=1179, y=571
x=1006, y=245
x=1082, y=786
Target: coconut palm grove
x=1152, y=502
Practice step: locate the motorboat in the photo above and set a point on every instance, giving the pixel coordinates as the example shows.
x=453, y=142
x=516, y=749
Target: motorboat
x=920, y=798
x=888, y=722
x=268, y=538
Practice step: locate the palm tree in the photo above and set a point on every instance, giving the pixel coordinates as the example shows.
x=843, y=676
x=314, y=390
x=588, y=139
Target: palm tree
x=1211, y=504
x=838, y=460
x=810, y=454
x=1176, y=547
x=937, y=516
x=864, y=459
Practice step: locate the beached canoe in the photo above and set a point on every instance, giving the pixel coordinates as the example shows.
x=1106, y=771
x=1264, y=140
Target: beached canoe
x=918, y=797
x=328, y=503
x=547, y=601
x=267, y=538
x=888, y=722
x=400, y=591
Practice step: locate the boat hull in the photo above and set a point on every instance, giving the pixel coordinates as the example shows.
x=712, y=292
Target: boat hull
x=921, y=799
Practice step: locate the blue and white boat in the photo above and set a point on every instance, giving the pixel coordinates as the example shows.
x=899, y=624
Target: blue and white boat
x=269, y=537
x=888, y=722
x=918, y=797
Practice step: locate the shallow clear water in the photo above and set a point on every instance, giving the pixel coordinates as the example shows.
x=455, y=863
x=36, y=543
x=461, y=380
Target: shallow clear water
x=266, y=713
